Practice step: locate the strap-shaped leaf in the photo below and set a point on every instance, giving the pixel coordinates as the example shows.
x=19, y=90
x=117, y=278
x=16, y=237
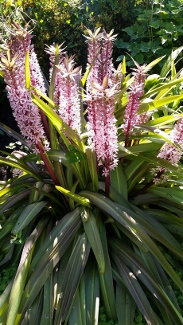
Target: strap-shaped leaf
x=150, y=279
x=125, y=305
x=21, y=276
x=34, y=313
x=152, y=104
x=69, y=222
x=166, y=86
x=75, y=197
x=128, y=219
x=47, y=310
x=126, y=276
x=85, y=309
x=76, y=312
x=92, y=232
x=13, y=200
x=48, y=256
x=27, y=215
x=156, y=230
x=92, y=293
x=167, y=65
x=118, y=181
x=72, y=277
x=58, y=123
x=106, y=279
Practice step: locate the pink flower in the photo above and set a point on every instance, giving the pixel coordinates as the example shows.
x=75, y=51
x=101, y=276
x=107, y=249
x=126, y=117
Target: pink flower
x=51, y=50
x=170, y=152
x=102, y=126
x=131, y=116
x=25, y=112
x=69, y=97
x=101, y=89
x=100, y=47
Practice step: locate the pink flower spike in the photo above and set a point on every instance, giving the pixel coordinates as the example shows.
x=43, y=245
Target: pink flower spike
x=170, y=152
x=103, y=132
x=51, y=50
x=69, y=96
x=100, y=90
x=25, y=112
x=131, y=116
x=100, y=47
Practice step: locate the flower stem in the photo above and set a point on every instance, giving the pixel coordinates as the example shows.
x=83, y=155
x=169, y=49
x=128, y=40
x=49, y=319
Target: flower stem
x=47, y=163
x=147, y=186
x=107, y=178
x=45, y=123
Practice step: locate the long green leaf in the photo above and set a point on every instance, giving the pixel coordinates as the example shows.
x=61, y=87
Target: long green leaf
x=20, y=278
x=3, y=313
x=35, y=310
x=106, y=279
x=65, y=225
x=4, y=296
x=47, y=310
x=127, y=218
x=136, y=291
x=163, y=120
x=75, y=316
x=167, y=66
x=48, y=256
x=166, y=86
x=25, y=168
x=60, y=126
x=156, y=230
x=14, y=199
x=118, y=181
x=72, y=277
x=92, y=165
x=75, y=197
x=152, y=104
x=125, y=305
x=148, y=278
x=14, y=134
x=92, y=293
x=27, y=215
x=92, y=233
x=172, y=194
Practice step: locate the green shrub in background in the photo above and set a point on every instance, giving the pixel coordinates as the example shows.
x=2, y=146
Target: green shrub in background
x=65, y=21
x=146, y=29
x=157, y=30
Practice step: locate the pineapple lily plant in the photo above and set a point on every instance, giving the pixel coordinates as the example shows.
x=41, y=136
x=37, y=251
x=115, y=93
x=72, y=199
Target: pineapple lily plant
x=93, y=215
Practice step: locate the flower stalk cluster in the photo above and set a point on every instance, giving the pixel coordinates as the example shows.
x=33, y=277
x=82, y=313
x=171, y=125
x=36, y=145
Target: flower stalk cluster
x=25, y=112
x=102, y=84
x=101, y=100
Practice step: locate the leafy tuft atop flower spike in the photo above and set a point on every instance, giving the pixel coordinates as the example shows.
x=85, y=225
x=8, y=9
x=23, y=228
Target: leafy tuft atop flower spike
x=54, y=51
x=100, y=47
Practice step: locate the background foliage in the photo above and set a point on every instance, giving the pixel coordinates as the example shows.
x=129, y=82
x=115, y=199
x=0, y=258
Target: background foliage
x=65, y=21
x=146, y=29
x=156, y=30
